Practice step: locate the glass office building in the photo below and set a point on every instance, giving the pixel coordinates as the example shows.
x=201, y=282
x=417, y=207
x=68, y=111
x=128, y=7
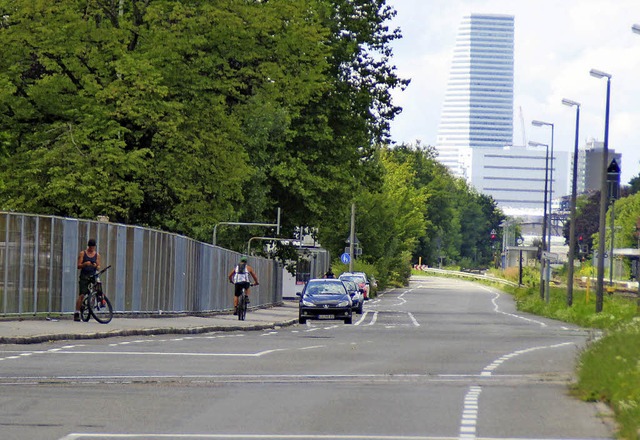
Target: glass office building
x=478, y=106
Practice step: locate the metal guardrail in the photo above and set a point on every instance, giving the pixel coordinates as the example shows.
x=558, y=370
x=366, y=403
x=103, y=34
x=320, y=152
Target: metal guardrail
x=152, y=271
x=469, y=275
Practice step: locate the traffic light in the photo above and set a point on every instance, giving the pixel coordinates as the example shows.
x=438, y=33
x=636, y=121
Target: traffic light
x=493, y=235
x=580, y=239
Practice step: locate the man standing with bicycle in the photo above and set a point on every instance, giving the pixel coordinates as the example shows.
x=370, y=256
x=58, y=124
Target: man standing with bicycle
x=239, y=276
x=89, y=264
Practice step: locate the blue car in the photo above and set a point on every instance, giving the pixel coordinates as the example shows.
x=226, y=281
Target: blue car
x=357, y=297
x=325, y=298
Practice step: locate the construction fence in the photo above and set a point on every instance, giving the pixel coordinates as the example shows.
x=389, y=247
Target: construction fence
x=151, y=271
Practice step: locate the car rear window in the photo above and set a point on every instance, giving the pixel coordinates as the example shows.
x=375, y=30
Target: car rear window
x=354, y=278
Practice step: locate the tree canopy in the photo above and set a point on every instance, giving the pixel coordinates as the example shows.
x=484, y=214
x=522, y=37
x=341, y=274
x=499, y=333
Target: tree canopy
x=179, y=114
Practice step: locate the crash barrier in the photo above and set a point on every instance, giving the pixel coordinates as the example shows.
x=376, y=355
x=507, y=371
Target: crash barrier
x=151, y=271
x=467, y=275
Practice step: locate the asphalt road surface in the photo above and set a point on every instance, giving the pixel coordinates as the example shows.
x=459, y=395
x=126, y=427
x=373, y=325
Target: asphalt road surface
x=440, y=359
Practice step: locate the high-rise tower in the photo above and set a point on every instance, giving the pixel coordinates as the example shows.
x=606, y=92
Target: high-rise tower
x=478, y=106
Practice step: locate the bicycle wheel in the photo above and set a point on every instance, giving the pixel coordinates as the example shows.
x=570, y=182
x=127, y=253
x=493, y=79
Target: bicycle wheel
x=101, y=308
x=242, y=307
x=85, y=311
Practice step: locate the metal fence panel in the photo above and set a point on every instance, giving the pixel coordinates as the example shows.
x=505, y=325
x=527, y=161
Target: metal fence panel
x=151, y=271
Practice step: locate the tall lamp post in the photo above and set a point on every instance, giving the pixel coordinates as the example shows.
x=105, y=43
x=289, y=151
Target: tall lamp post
x=544, y=215
x=603, y=194
x=574, y=192
x=548, y=264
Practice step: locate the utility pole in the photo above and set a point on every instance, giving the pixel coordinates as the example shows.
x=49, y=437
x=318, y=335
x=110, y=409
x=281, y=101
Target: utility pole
x=352, y=236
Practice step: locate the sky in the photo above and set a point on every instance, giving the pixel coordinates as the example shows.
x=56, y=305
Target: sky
x=557, y=43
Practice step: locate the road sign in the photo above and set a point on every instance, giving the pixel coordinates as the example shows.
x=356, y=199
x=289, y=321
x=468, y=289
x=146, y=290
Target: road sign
x=356, y=250
x=345, y=258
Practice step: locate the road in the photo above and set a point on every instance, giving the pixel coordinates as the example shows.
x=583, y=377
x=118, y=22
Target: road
x=440, y=359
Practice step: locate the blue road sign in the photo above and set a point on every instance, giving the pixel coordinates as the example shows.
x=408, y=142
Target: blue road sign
x=345, y=258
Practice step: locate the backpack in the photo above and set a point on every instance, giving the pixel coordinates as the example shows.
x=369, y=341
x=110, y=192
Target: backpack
x=241, y=275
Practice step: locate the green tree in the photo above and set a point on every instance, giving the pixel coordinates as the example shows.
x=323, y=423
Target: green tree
x=587, y=221
x=389, y=221
x=332, y=153
x=634, y=185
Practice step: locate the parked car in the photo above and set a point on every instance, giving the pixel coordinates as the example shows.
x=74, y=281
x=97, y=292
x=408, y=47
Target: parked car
x=357, y=298
x=325, y=298
x=361, y=279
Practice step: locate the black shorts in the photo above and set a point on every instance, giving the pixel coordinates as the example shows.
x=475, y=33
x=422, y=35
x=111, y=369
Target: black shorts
x=83, y=284
x=240, y=286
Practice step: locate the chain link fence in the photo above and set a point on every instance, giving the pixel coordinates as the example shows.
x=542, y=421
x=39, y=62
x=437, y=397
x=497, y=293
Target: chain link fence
x=151, y=271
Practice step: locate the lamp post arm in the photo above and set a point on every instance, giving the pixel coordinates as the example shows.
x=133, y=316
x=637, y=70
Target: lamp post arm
x=269, y=225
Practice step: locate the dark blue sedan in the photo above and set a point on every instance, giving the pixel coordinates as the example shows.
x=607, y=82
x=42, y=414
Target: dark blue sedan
x=325, y=298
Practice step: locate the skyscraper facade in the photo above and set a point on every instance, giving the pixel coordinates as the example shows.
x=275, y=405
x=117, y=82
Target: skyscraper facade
x=590, y=159
x=478, y=106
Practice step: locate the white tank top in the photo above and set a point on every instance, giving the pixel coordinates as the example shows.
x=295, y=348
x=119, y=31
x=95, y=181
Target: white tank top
x=241, y=277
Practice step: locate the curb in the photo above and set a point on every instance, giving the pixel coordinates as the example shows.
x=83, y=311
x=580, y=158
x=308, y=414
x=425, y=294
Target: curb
x=37, y=339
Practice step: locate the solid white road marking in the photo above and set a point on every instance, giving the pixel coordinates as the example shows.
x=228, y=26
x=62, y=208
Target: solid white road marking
x=150, y=436
x=414, y=320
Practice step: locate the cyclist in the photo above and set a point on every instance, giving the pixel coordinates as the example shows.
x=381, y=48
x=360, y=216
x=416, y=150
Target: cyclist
x=239, y=276
x=89, y=264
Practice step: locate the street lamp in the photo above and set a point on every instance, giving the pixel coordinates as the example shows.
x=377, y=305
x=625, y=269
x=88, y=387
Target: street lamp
x=548, y=265
x=574, y=192
x=636, y=28
x=603, y=193
x=544, y=214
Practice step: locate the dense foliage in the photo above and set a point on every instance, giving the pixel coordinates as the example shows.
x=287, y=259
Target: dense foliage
x=421, y=214
x=183, y=114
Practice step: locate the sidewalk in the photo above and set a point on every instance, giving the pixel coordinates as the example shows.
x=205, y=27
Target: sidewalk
x=33, y=331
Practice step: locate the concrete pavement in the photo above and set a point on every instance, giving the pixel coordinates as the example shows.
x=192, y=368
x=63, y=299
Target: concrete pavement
x=33, y=331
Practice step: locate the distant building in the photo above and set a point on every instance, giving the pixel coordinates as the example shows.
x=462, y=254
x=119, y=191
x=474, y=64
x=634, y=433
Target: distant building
x=478, y=108
x=590, y=165
x=515, y=177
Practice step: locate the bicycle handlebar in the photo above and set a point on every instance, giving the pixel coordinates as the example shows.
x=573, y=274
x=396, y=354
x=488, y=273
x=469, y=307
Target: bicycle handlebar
x=101, y=272
x=250, y=284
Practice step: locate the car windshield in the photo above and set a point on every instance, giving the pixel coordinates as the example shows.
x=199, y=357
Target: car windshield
x=325, y=288
x=354, y=278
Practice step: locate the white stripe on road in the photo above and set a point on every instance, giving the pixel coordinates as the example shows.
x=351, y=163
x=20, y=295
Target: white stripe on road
x=488, y=370
x=149, y=436
x=470, y=414
x=496, y=309
x=414, y=320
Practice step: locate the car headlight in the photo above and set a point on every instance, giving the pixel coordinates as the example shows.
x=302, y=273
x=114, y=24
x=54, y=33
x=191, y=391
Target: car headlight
x=308, y=303
x=343, y=304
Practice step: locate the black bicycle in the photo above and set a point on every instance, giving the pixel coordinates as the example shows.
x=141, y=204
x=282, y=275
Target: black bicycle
x=243, y=301
x=95, y=303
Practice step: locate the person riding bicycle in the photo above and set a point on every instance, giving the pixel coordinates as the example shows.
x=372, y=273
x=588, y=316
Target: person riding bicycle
x=239, y=276
x=89, y=264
